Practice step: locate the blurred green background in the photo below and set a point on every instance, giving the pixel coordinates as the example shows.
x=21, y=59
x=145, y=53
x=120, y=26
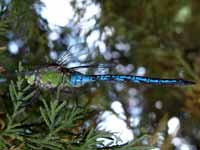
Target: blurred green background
x=152, y=38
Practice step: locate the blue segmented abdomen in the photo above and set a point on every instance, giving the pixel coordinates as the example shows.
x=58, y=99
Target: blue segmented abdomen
x=77, y=80
x=143, y=79
x=80, y=79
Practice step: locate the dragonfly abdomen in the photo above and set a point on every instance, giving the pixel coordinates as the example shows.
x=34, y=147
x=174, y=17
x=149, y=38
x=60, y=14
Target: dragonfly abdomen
x=141, y=79
x=78, y=80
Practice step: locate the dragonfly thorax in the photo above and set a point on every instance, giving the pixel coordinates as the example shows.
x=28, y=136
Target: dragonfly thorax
x=49, y=77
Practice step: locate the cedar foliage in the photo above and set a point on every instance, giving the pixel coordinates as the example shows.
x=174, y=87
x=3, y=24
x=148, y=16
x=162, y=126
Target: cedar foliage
x=165, y=43
x=32, y=118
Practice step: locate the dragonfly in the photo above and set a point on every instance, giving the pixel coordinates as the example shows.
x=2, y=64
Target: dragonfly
x=58, y=74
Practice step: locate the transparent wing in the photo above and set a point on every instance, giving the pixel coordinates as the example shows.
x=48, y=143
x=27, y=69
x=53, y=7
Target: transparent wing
x=74, y=54
x=94, y=66
x=78, y=57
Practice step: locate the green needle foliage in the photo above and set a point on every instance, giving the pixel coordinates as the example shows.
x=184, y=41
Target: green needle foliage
x=57, y=125
x=158, y=38
x=18, y=97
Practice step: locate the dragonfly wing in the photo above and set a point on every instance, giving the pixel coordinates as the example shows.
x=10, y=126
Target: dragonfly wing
x=93, y=66
x=72, y=54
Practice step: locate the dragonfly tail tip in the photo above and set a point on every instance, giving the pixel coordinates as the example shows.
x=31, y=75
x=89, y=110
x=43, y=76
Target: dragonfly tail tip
x=185, y=82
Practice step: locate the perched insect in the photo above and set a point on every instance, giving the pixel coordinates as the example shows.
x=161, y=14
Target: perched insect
x=57, y=74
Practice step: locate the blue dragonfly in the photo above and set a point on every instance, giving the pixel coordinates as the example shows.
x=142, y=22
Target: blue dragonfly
x=59, y=75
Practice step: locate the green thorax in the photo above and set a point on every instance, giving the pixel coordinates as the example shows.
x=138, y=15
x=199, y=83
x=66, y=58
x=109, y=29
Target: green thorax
x=49, y=77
